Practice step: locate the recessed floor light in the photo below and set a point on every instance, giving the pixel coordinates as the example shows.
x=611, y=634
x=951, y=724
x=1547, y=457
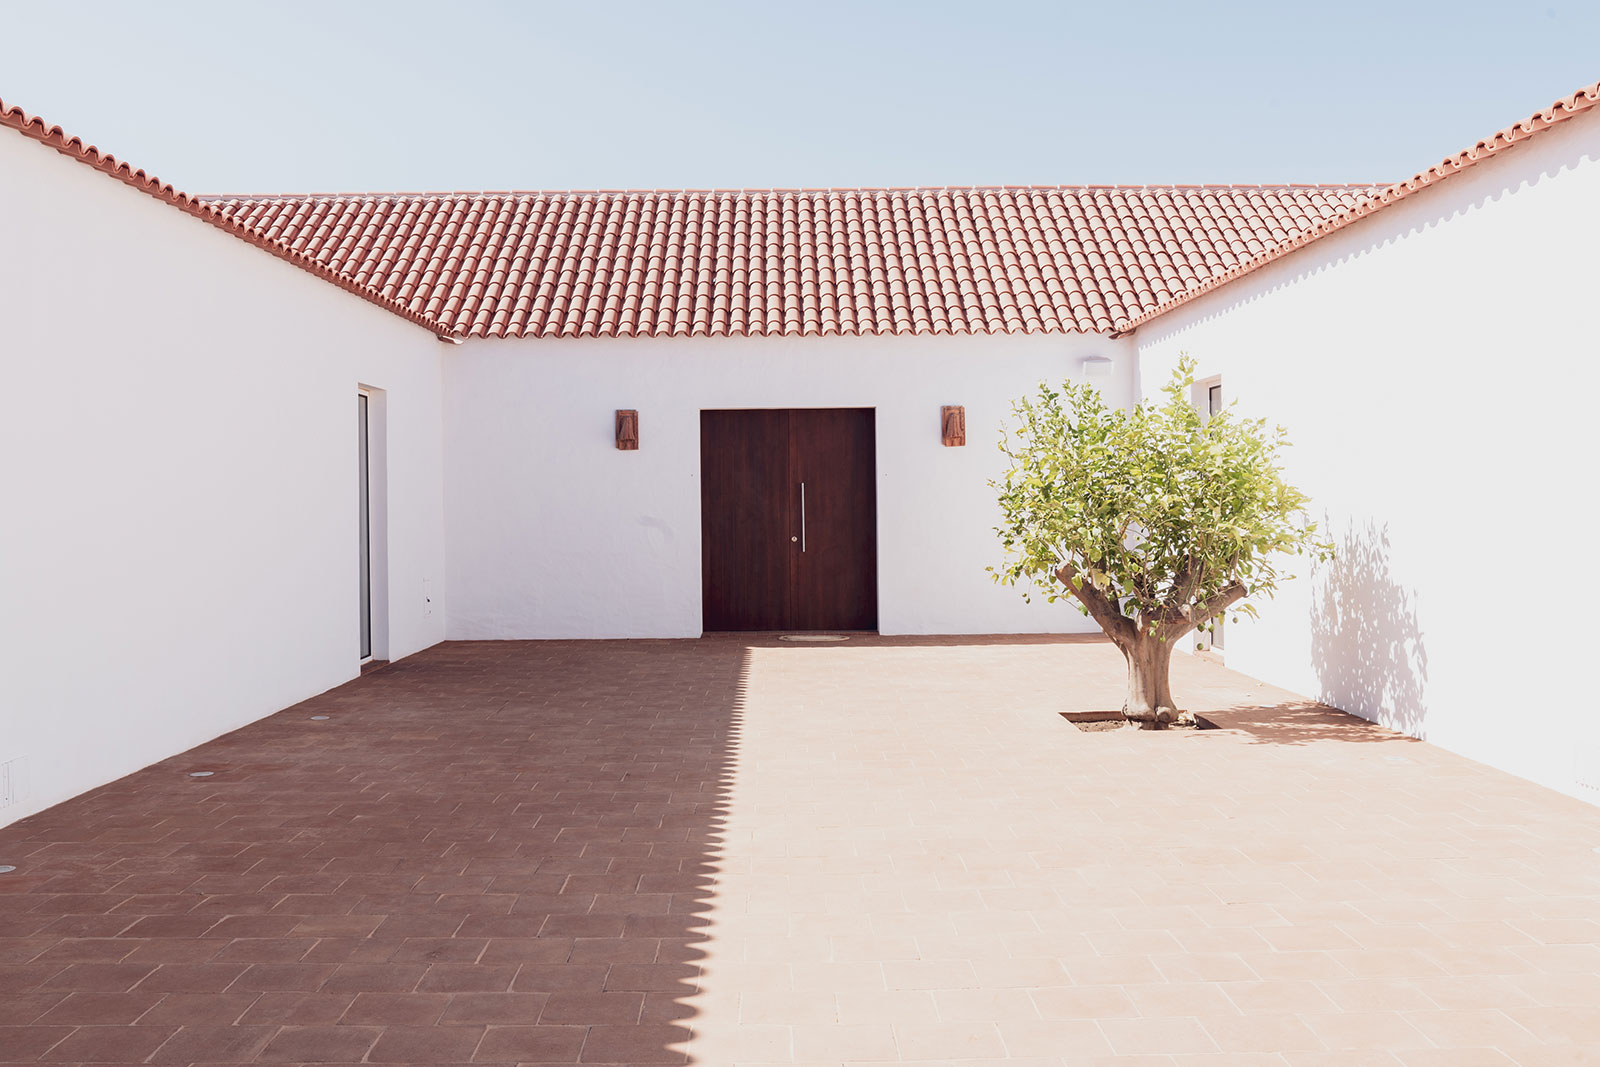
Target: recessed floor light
x=6, y=868
x=201, y=774
x=321, y=717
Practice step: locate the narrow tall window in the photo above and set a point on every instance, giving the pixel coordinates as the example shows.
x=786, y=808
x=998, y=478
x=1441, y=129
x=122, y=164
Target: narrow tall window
x=1206, y=395
x=364, y=491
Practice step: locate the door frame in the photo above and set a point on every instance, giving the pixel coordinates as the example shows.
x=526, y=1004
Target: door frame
x=377, y=507
x=877, y=485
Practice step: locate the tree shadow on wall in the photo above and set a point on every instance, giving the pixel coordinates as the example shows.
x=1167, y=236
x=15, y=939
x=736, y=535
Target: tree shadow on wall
x=1366, y=640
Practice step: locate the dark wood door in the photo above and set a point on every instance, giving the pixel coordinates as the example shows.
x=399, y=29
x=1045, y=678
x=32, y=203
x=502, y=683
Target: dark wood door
x=744, y=519
x=789, y=519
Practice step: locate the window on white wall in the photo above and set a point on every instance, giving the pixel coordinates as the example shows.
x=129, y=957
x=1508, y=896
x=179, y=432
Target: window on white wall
x=1207, y=397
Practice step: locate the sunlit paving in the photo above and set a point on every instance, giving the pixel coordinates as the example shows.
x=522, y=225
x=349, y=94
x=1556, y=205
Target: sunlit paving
x=745, y=851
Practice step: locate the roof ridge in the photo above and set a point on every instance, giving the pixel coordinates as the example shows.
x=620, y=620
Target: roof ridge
x=34, y=127
x=1575, y=103
x=759, y=190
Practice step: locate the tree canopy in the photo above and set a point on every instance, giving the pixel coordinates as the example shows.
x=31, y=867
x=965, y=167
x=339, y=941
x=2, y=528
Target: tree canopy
x=1156, y=519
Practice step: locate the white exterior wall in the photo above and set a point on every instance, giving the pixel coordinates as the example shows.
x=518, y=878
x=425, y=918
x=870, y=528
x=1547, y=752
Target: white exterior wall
x=553, y=532
x=1437, y=368
x=178, y=553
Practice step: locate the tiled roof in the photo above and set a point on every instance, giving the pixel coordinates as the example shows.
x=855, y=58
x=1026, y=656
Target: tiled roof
x=790, y=262
x=34, y=127
x=1579, y=102
x=782, y=261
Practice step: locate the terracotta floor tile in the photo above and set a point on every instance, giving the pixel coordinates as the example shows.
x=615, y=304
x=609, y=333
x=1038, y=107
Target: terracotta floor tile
x=930, y=974
x=985, y=1005
x=1065, y=1038
x=955, y=1041
x=552, y=978
x=192, y=977
x=98, y=977
x=467, y=978
x=214, y=1044
x=20, y=1009
x=27, y=1043
x=100, y=1009
x=281, y=978
x=863, y=1041
x=109, y=1044
x=592, y=1008
x=652, y=977
x=1460, y=1057
x=1366, y=1030
x=888, y=850
x=503, y=1009
x=426, y=1044
x=396, y=1009
x=320, y=1044
x=298, y=1009
x=898, y=1007
x=787, y=1009
x=374, y=978
x=531, y=1044
x=636, y=1044
x=1260, y=1033
x=1157, y=1036
x=1560, y=1025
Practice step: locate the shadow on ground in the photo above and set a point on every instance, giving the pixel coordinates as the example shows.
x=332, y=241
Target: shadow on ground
x=1300, y=723
x=490, y=852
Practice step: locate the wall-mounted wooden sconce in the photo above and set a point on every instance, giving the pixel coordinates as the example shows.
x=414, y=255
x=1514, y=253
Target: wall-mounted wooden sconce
x=953, y=425
x=628, y=431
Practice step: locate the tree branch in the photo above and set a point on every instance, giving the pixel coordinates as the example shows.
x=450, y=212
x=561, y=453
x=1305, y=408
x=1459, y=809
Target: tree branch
x=1215, y=605
x=1102, y=608
x=1187, y=581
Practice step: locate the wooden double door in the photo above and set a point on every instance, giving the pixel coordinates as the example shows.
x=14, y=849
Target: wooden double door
x=789, y=519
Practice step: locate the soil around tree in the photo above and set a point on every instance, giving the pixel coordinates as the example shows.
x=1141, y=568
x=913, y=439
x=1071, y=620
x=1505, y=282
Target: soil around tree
x=1098, y=722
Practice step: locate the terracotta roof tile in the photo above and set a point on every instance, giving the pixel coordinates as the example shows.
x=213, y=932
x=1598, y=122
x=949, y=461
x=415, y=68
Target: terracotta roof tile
x=1019, y=259
x=1577, y=103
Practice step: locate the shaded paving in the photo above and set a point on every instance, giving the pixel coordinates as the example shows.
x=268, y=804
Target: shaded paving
x=733, y=851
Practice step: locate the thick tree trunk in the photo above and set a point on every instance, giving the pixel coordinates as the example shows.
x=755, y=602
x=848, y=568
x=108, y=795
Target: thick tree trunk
x=1149, y=692
x=1149, y=658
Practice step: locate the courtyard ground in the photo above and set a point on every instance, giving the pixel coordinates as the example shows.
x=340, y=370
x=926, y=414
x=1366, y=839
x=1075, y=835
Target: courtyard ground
x=738, y=851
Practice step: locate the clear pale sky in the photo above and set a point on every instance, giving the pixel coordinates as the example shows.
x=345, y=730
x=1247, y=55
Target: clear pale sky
x=300, y=95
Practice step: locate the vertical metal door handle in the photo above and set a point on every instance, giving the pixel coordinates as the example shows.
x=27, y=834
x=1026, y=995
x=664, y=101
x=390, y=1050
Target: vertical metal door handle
x=802, y=516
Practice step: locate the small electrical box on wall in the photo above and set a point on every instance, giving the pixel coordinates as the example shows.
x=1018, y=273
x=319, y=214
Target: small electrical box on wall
x=953, y=426
x=628, y=431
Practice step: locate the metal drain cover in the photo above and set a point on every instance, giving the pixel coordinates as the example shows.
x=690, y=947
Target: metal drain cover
x=813, y=639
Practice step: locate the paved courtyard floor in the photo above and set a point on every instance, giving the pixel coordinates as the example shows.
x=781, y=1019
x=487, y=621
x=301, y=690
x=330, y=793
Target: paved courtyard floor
x=736, y=851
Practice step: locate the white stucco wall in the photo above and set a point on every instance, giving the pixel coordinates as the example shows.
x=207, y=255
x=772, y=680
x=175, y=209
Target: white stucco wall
x=553, y=532
x=1436, y=366
x=178, y=554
